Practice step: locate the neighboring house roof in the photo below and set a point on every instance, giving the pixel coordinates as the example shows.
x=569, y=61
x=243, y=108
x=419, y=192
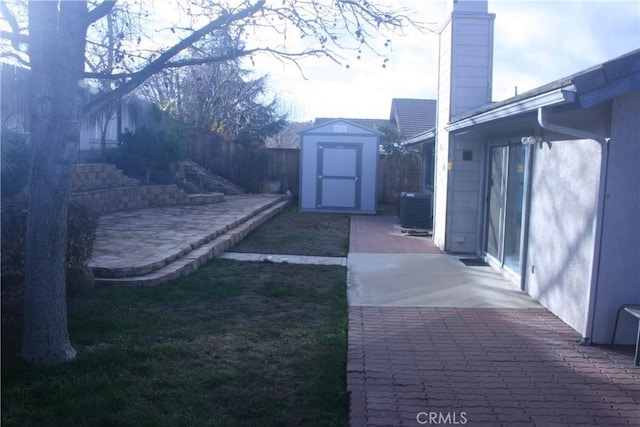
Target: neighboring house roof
x=413, y=116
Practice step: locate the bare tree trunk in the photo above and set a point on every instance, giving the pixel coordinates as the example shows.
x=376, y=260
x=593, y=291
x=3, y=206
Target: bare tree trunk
x=56, y=49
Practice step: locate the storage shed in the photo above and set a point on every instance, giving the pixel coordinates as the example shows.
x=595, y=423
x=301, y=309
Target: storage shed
x=339, y=168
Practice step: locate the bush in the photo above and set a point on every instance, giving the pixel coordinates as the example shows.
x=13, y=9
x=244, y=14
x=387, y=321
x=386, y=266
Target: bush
x=188, y=187
x=150, y=151
x=81, y=231
x=82, y=224
x=15, y=163
x=253, y=166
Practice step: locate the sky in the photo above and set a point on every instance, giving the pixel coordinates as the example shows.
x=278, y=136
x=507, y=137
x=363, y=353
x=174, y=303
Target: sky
x=535, y=42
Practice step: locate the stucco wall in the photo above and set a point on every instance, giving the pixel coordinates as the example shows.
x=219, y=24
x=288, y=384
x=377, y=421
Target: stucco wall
x=562, y=225
x=619, y=278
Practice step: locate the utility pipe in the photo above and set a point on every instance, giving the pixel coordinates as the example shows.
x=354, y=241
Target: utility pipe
x=604, y=166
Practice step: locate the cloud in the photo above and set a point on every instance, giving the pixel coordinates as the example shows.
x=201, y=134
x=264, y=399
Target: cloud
x=535, y=42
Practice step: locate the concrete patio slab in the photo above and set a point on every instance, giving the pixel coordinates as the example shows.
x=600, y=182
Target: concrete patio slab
x=428, y=280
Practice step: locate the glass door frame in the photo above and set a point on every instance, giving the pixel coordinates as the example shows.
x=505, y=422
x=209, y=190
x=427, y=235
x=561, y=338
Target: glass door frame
x=517, y=273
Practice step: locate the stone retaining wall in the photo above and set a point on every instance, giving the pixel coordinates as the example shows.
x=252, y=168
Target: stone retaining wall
x=98, y=176
x=106, y=189
x=128, y=198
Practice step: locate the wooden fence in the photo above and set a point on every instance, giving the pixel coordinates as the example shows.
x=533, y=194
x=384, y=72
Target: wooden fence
x=253, y=169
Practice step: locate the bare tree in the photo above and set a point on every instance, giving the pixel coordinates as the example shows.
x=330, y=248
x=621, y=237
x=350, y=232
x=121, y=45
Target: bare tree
x=221, y=97
x=53, y=42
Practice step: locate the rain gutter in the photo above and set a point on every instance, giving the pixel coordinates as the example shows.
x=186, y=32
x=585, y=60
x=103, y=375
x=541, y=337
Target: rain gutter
x=563, y=95
x=420, y=138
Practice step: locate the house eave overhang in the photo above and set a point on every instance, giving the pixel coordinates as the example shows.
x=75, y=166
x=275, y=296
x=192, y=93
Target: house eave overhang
x=422, y=138
x=560, y=96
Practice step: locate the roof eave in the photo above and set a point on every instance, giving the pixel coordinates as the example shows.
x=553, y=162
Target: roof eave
x=421, y=138
x=560, y=96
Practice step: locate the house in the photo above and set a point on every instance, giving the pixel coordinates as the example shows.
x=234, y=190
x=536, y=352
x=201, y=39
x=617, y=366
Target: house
x=409, y=116
x=412, y=116
x=546, y=185
x=14, y=113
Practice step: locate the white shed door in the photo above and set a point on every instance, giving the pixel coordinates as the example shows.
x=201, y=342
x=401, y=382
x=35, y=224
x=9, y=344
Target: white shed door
x=339, y=170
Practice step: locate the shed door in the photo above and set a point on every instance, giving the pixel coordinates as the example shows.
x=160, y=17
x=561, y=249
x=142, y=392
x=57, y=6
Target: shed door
x=339, y=176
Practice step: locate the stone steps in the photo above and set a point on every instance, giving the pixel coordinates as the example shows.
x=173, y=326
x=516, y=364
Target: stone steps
x=204, y=198
x=205, y=180
x=187, y=260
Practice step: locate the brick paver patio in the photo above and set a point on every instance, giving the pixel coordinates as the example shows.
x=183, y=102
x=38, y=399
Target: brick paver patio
x=483, y=366
x=411, y=366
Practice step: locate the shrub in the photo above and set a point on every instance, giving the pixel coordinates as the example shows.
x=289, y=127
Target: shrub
x=15, y=163
x=189, y=187
x=82, y=224
x=253, y=166
x=150, y=151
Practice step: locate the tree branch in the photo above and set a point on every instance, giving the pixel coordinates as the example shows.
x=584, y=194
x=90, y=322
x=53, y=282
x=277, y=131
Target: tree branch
x=16, y=57
x=14, y=38
x=99, y=11
x=9, y=16
x=160, y=63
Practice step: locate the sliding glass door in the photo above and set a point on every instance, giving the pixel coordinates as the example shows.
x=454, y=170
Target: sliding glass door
x=504, y=205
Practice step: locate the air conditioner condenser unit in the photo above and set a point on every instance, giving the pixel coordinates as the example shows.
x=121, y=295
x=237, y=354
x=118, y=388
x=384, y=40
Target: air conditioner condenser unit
x=416, y=211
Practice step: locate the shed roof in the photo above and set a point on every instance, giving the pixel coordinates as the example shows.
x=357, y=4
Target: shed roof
x=349, y=125
x=372, y=124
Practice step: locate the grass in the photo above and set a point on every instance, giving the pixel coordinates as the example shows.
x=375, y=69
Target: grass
x=234, y=344
x=295, y=233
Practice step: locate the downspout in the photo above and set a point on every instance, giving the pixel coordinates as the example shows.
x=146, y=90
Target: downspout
x=528, y=183
x=604, y=163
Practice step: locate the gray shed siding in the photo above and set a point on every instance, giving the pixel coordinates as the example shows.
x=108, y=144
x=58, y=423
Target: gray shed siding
x=339, y=133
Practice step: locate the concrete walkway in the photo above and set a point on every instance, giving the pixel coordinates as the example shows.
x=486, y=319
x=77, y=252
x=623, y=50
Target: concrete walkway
x=432, y=341
x=291, y=259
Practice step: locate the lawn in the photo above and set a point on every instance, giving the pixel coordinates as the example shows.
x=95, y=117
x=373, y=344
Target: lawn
x=234, y=344
x=295, y=233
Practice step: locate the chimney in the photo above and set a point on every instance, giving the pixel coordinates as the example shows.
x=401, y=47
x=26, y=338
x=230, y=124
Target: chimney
x=466, y=57
x=464, y=82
